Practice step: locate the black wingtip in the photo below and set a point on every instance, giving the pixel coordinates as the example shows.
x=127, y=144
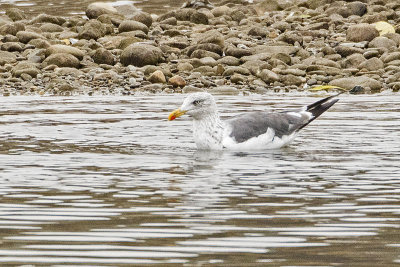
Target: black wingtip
x=319, y=107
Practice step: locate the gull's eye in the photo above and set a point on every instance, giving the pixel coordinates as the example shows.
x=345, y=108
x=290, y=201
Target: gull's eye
x=197, y=102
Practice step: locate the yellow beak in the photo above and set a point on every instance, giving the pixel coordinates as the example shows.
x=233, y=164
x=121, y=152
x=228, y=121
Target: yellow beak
x=175, y=114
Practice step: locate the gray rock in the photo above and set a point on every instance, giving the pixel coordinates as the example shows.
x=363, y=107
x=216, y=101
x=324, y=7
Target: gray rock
x=361, y=32
x=54, y=49
x=364, y=81
x=7, y=57
x=25, y=36
x=274, y=49
x=221, y=10
x=357, y=8
x=62, y=60
x=15, y=14
x=96, y=9
x=93, y=29
x=132, y=25
x=141, y=55
x=103, y=56
x=382, y=42
x=372, y=64
x=191, y=89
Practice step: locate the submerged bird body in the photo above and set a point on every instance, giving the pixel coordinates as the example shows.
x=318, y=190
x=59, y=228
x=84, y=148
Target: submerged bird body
x=249, y=131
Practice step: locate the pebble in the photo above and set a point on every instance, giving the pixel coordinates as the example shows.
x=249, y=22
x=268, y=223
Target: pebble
x=224, y=49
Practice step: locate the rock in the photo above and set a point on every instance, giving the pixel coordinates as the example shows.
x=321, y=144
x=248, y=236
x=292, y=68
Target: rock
x=140, y=55
x=382, y=42
x=170, y=21
x=64, y=71
x=25, y=36
x=15, y=14
x=12, y=47
x=229, y=60
x=206, y=46
x=357, y=8
x=93, y=29
x=345, y=51
x=62, y=60
x=188, y=89
x=54, y=49
x=268, y=76
x=131, y=25
x=51, y=27
x=392, y=56
x=224, y=90
x=238, y=78
x=291, y=79
x=372, y=64
x=144, y=18
x=199, y=18
x=353, y=61
x=7, y=57
x=274, y=49
x=39, y=43
x=258, y=31
x=12, y=28
x=232, y=70
x=237, y=52
x=25, y=67
x=220, y=11
x=207, y=61
x=184, y=67
x=157, y=77
x=213, y=36
x=96, y=9
x=361, y=32
x=364, y=81
x=177, y=81
x=200, y=53
x=44, y=18
x=103, y=56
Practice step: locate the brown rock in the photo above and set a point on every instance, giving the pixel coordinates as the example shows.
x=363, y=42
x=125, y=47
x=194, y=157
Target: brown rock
x=15, y=14
x=62, y=60
x=131, y=25
x=364, y=81
x=96, y=9
x=103, y=56
x=141, y=55
x=157, y=77
x=54, y=49
x=361, y=32
x=177, y=81
x=25, y=36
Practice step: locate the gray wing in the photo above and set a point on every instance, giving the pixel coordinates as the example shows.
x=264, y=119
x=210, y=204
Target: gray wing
x=254, y=124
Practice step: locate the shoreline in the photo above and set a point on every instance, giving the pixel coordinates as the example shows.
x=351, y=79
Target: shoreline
x=266, y=46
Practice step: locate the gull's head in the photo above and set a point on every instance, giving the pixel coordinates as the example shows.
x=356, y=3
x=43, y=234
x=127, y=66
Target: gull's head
x=197, y=105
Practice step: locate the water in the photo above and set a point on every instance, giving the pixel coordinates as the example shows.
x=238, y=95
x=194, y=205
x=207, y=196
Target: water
x=108, y=181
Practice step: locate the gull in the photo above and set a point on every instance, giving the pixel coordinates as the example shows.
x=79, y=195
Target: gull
x=248, y=131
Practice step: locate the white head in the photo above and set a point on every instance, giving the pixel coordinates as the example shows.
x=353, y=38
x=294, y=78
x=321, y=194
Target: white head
x=197, y=105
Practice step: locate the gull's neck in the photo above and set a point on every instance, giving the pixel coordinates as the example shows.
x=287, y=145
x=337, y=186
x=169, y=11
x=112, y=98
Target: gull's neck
x=208, y=131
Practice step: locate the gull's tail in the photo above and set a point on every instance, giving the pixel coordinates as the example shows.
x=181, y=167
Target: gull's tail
x=319, y=107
